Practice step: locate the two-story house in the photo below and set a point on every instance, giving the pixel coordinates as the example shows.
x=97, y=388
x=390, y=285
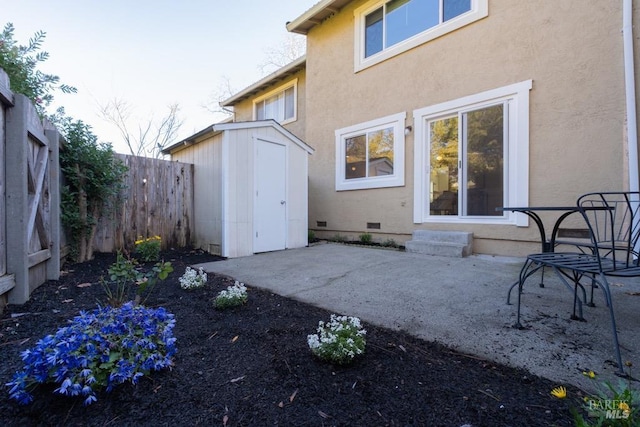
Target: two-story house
x=431, y=114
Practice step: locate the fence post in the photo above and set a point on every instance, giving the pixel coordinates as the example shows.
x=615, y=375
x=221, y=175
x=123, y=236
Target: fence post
x=53, y=264
x=16, y=198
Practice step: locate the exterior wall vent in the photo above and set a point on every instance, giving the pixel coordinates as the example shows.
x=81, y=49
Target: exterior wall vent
x=373, y=225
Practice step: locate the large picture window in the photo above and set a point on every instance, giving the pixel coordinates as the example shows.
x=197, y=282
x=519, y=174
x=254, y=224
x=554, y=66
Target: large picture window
x=279, y=104
x=371, y=154
x=387, y=28
x=472, y=156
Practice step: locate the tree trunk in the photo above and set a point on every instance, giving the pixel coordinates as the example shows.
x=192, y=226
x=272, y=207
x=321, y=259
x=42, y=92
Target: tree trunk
x=82, y=211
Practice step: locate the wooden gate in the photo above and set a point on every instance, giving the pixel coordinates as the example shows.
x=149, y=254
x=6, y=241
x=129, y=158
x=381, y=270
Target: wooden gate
x=31, y=200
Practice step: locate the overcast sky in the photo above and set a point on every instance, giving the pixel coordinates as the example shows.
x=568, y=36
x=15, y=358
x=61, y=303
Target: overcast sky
x=151, y=53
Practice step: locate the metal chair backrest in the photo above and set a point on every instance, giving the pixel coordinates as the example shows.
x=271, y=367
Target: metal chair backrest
x=613, y=219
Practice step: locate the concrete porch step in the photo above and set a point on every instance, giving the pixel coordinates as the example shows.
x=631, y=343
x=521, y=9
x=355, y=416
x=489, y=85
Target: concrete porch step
x=457, y=244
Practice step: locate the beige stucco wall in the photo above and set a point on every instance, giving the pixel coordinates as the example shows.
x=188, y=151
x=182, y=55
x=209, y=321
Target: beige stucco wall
x=243, y=111
x=572, y=50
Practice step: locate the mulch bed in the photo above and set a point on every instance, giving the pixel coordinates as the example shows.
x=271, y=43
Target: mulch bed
x=250, y=366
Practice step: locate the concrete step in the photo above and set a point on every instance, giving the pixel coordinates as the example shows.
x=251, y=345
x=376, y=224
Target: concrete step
x=455, y=244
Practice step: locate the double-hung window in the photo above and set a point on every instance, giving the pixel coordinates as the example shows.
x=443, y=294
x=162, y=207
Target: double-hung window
x=371, y=154
x=472, y=157
x=279, y=104
x=387, y=28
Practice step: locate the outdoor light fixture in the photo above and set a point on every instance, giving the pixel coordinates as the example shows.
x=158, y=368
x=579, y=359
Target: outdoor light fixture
x=408, y=130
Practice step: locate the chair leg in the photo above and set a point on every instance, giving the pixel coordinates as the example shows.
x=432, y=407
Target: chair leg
x=604, y=284
x=524, y=274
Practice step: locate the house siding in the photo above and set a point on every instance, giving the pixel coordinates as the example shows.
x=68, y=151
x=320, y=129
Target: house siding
x=571, y=50
x=243, y=111
x=206, y=157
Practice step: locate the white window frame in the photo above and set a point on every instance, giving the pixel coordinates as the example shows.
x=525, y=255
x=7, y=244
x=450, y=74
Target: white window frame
x=280, y=89
x=396, y=121
x=479, y=10
x=516, y=178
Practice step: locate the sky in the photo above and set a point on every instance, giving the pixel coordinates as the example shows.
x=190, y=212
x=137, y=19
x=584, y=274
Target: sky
x=151, y=53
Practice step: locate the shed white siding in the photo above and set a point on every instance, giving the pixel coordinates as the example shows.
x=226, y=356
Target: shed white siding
x=225, y=186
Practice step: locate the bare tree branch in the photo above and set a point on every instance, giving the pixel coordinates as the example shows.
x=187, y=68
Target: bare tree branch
x=152, y=136
x=292, y=47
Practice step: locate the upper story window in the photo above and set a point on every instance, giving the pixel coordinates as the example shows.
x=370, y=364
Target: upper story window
x=371, y=154
x=279, y=104
x=387, y=28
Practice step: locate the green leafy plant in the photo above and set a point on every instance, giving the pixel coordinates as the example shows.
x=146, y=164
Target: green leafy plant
x=366, y=238
x=613, y=405
x=97, y=350
x=338, y=341
x=390, y=243
x=20, y=62
x=148, y=248
x=233, y=296
x=311, y=236
x=93, y=180
x=126, y=278
x=338, y=238
x=193, y=279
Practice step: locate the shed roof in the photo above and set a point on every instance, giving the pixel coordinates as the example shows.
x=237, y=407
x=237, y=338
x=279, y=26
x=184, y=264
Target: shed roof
x=280, y=74
x=218, y=128
x=318, y=13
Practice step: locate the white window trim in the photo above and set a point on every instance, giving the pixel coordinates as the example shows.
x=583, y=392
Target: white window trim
x=517, y=179
x=479, y=10
x=292, y=83
x=397, y=179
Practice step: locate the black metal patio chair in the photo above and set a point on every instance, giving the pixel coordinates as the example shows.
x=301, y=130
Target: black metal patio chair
x=613, y=221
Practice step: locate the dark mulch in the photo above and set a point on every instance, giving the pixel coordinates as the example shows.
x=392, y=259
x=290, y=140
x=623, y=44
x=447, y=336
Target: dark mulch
x=252, y=366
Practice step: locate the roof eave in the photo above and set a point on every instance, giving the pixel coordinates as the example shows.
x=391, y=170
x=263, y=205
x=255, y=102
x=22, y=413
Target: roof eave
x=315, y=15
x=264, y=83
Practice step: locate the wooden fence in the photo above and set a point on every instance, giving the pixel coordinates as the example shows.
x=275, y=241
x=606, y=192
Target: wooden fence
x=157, y=200
x=29, y=198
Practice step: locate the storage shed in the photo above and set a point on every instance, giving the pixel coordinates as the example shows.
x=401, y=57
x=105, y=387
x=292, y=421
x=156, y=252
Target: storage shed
x=250, y=187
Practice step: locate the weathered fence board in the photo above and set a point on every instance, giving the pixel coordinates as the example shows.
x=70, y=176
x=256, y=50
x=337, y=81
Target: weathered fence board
x=7, y=281
x=31, y=160
x=157, y=200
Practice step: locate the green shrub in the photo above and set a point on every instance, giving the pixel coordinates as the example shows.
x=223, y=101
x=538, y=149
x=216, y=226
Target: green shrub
x=148, y=248
x=233, y=296
x=339, y=341
x=366, y=238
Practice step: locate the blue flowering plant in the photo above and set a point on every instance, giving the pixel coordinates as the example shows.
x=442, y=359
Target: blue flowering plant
x=98, y=350
x=338, y=341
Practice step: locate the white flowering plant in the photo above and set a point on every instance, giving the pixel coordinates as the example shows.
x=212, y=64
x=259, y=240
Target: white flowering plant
x=233, y=296
x=338, y=341
x=192, y=279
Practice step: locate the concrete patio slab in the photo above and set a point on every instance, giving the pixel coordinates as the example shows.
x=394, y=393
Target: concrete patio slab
x=459, y=302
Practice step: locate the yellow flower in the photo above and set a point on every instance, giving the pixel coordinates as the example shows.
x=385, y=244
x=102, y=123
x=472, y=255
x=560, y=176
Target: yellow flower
x=589, y=374
x=559, y=392
x=624, y=406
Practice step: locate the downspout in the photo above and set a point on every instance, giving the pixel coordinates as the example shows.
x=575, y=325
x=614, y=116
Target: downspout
x=630, y=89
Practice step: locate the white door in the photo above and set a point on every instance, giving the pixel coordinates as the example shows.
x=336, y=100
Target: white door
x=270, y=207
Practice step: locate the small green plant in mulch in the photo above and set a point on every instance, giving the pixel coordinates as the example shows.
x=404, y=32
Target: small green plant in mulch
x=612, y=405
x=193, y=279
x=338, y=341
x=389, y=243
x=233, y=296
x=311, y=236
x=127, y=278
x=148, y=248
x=338, y=238
x=366, y=238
